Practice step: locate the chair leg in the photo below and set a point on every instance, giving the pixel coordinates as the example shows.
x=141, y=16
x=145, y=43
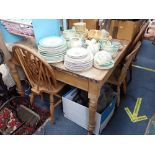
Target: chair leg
x=59, y=101
x=52, y=108
x=124, y=87
x=41, y=96
x=118, y=95
x=32, y=98
x=130, y=78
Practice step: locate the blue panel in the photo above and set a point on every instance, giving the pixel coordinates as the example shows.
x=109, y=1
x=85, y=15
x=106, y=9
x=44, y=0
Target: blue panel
x=108, y=110
x=45, y=27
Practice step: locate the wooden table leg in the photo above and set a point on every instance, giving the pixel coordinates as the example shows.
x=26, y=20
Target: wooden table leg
x=15, y=76
x=93, y=95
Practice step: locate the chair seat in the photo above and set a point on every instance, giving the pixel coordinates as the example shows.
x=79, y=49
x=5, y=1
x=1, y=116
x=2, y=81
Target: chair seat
x=115, y=76
x=41, y=89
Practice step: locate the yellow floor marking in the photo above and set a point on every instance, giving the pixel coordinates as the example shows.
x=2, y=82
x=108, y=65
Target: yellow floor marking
x=129, y=114
x=137, y=107
x=140, y=118
x=134, y=116
x=145, y=68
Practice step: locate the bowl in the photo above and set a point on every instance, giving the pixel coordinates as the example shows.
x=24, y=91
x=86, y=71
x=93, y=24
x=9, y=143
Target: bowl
x=75, y=42
x=105, y=33
x=117, y=44
x=109, y=47
x=102, y=58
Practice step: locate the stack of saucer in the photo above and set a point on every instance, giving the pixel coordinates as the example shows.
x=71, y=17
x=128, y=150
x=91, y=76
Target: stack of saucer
x=78, y=59
x=52, y=49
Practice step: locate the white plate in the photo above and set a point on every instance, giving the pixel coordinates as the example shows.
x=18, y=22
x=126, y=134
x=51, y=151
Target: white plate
x=53, y=60
x=77, y=53
x=104, y=67
x=52, y=41
x=52, y=54
x=78, y=65
x=56, y=61
x=78, y=69
x=53, y=57
x=83, y=60
x=53, y=48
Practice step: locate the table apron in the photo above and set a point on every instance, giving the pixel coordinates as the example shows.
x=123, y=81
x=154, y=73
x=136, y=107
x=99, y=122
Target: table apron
x=72, y=79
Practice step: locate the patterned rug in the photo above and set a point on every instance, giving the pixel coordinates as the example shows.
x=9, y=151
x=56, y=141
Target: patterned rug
x=11, y=124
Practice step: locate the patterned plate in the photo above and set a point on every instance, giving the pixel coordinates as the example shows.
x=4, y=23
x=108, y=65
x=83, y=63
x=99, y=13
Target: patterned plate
x=104, y=66
x=52, y=41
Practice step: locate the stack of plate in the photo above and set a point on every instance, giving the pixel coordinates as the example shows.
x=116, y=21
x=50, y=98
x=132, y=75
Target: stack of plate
x=78, y=59
x=52, y=49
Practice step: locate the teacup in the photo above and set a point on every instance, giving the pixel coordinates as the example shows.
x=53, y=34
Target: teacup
x=93, y=48
x=105, y=33
x=117, y=44
x=75, y=42
x=68, y=34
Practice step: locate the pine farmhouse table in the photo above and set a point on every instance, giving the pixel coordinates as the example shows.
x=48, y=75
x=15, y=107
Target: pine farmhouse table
x=90, y=81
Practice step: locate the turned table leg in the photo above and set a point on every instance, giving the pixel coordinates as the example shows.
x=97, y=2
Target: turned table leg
x=93, y=95
x=52, y=108
x=15, y=76
x=92, y=115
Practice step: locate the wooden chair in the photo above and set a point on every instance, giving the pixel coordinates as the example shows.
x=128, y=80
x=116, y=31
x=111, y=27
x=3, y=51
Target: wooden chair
x=139, y=36
x=40, y=75
x=118, y=77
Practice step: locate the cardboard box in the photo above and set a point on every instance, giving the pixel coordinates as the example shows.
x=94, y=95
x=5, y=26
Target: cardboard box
x=124, y=29
x=90, y=23
x=72, y=21
x=80, y=114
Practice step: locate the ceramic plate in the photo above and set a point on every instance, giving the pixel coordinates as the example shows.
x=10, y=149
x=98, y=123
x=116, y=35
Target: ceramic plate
x=53, y=48
x=84, y=60
x=78, y=65
x=117, y=44
x=52, y=54
x=78, y=69
x=77, y=53
x=104, y=66
x=53, y=60
x=52, y=57
x=52, y=41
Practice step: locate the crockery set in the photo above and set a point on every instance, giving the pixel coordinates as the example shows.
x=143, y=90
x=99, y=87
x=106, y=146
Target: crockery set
x=80, y=54
x=52, y=49
x=78, y=59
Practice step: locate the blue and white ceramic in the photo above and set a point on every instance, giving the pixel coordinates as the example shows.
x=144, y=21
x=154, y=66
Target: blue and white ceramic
x=103, y=60
x=78, y=59
x=52, y=41
x=53, y=49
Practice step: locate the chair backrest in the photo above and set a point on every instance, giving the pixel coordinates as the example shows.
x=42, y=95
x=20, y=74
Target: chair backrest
x=128, y=60
x=38, y=71
x=139, y=36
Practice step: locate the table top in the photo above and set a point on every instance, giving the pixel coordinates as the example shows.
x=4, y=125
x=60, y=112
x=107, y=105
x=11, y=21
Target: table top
x=93, y=73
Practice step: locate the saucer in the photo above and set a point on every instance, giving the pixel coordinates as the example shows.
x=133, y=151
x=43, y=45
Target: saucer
x=111, y=64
